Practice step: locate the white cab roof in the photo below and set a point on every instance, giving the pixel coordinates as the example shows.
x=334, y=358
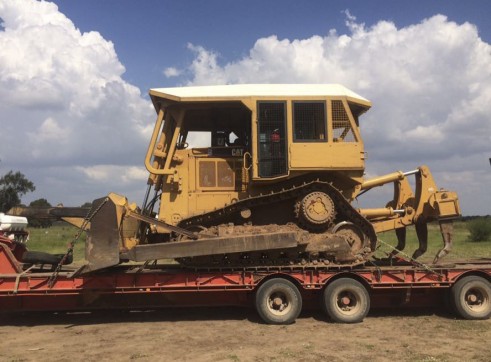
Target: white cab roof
x=256, y=91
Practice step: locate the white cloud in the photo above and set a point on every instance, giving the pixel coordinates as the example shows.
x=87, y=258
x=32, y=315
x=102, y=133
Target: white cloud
x=172, y=72
x=425, y=134
x=116, y=174
x=205, y=67
x=50, y=130
x=75, y=127
x=64, y=104
x=430, y=84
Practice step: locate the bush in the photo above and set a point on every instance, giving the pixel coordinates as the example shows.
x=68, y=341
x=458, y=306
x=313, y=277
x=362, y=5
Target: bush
x=480, y=229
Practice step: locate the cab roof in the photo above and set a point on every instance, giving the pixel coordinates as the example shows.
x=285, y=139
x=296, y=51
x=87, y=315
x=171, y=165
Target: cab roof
x=241, y=91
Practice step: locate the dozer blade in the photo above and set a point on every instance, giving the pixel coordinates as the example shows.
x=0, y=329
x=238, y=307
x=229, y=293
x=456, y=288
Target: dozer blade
x=102, y=246
x=218, y=245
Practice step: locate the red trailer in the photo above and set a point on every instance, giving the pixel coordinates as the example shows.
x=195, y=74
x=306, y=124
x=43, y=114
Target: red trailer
x=346, y=294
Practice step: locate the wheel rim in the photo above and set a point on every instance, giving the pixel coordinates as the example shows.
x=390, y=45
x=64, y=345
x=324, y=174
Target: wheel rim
x=477, y=300
x=348, y=303
x=279, y=303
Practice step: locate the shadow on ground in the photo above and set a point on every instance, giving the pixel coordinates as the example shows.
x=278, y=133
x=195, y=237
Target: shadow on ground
x=185, y=314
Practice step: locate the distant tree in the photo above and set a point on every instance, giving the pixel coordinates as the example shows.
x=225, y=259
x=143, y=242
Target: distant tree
x=479, y=229
x=40, y=223
x=12, y=187
x=40, y=203
x=87, y=205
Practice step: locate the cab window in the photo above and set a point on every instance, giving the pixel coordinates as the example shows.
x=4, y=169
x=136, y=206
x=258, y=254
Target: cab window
x=309, y=121
x=341, y=125
x=272, y=154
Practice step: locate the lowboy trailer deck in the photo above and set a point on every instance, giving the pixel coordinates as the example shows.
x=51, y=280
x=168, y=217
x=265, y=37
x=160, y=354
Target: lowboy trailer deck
x=278, y=294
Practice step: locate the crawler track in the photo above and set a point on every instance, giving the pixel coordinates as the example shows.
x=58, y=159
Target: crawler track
x=317, y=248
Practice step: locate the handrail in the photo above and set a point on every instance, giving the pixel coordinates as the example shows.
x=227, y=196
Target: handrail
x=151, y=147
x=172, y=147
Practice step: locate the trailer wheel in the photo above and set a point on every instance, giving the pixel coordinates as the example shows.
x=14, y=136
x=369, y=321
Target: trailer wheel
x=471, y=297
x=278, y=301
x=346, y=300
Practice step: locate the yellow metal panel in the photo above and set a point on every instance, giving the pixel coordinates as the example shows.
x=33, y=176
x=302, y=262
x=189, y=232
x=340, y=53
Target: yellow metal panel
x=207, y=201
x=328, y=155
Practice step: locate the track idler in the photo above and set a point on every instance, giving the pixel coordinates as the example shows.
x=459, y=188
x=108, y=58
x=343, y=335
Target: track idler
x=346, y=243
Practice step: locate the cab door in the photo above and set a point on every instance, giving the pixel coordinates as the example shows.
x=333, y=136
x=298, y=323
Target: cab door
x=272, y=156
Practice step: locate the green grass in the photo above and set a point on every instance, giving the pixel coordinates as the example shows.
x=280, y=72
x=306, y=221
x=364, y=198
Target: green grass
x=56, y=239
x=462, y=247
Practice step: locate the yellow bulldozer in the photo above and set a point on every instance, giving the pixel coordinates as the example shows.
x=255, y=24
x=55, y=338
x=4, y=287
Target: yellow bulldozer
x=253, y=175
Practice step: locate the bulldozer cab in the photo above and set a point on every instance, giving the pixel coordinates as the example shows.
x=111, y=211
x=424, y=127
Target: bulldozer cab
x=280, y=127
x=217, y=144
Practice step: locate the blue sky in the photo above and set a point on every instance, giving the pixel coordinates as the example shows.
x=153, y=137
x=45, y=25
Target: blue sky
x=152, y=35
x=74, y=76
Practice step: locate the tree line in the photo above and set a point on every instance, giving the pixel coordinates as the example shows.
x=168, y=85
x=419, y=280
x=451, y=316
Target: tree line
x=14, y=185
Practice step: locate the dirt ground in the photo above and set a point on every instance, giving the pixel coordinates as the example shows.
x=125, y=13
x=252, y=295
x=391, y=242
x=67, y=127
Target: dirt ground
x=236, y=334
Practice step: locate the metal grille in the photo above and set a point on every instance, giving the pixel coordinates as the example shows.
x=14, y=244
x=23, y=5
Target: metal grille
x=207, y=174
x=220, y=175
x=341, y=126
x=309, y=121
x=272, y=139
x=225, y=175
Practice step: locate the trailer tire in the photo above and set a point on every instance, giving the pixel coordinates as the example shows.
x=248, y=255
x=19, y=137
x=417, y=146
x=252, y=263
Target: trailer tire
x=278, y=301
x=346, y=300
x=471, y=297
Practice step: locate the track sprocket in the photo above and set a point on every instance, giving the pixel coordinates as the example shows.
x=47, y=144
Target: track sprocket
x=315, y=211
